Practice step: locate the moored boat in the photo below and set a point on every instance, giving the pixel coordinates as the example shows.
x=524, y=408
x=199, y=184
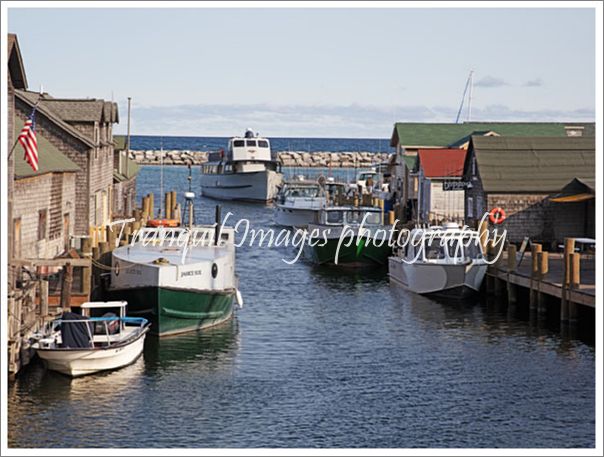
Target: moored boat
x=181, y=279
x=247, y=171
x=444, y=261
x=349, y=236
x=299, y=201
x=78, y=345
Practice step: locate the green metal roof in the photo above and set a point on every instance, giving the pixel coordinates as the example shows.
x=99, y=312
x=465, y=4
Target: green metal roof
x=119, y=142
x=532, y=164
x=50, y=159
x=411, y=162
x=442, y=135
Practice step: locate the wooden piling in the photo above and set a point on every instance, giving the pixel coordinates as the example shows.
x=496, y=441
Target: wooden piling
x=569, y=248
x=575, y=282
x=168, y=205
x=512, y=263
x=66, y=286
x=543, y=268
x=174, y=202
x=151, y=205
x=43, y=287
x=391, y=217
x=533, y=294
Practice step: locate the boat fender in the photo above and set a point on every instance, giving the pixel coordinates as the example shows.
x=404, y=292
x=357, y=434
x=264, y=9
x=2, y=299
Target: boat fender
x=497, y=215
x=214, y=270
x=239, y=298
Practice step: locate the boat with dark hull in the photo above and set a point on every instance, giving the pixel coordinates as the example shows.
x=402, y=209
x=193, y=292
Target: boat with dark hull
x=349, y=236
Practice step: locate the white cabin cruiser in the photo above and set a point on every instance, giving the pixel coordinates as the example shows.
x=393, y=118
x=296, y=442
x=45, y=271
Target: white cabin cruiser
x=78, y=345
x=248, y=171
x=445, y=261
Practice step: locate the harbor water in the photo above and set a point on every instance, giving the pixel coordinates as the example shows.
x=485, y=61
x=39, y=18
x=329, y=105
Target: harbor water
x=320, y=357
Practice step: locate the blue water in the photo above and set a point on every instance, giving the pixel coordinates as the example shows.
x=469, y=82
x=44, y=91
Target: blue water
x=200, y=143
x=320, y=357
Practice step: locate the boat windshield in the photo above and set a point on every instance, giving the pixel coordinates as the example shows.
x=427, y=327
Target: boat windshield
x=307, y=192
x=433, y=250
x=335, y=217
x=356, y=217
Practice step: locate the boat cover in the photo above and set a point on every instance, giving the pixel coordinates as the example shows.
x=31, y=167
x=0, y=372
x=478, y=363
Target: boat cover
x=76, y=334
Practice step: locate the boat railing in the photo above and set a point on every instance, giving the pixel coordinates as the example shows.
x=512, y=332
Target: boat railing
x=90, y=324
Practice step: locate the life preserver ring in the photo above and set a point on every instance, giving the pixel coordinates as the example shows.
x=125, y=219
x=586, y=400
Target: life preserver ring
x=497, y=215
x=162, y=223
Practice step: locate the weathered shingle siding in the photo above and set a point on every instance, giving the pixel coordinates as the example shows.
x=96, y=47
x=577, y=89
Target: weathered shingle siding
x=34, y=194
x=124, y=198
x=77, y=152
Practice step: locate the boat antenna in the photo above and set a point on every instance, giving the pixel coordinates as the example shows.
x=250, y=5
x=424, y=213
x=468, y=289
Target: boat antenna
x=161, y=174
x=469, y=84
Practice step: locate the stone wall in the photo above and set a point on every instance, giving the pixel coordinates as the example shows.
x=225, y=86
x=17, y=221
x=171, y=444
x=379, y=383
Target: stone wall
x=35, y=194
x=288, y=159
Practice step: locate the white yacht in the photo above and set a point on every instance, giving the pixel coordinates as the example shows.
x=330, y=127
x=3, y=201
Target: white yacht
x=439, y=260
x=247, y=171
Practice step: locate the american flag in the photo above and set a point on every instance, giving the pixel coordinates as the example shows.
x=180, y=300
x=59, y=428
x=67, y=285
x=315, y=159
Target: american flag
x=28, y=140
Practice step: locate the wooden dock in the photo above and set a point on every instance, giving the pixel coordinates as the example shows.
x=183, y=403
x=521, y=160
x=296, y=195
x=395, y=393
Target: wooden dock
x=564, y=279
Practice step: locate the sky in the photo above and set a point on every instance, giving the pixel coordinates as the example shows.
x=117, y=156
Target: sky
x=313, y=72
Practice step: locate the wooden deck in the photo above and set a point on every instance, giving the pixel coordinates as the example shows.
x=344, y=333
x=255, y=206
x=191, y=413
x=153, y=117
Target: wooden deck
x=552, y=282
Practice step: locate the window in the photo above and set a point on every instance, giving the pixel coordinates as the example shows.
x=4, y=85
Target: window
x=470, y=207
x=251, y=143
x=335, y=217
x=238, y=143
x=262, y=143
x=433, y=250
x=42, y=217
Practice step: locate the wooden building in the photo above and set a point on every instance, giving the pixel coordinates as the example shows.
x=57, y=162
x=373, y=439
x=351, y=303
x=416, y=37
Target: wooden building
x=125, y=171
x=43, y=202
x=441, y=196
x=408, y=137
x=520, y=175
x=81, y=129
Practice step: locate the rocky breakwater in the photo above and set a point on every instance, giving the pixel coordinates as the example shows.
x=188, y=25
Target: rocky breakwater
x=288, y=159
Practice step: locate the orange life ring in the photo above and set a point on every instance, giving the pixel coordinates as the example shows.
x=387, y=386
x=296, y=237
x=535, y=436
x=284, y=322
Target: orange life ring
x=162, y=223
x=497, y=215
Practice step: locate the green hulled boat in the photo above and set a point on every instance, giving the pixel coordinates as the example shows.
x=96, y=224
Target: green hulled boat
x=349, y=236
x=177, y=289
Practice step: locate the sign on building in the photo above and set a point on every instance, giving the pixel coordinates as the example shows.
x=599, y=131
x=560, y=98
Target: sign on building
x=457, y=185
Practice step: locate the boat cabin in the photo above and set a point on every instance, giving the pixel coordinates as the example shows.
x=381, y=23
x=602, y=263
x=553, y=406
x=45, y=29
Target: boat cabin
x=443, y=245
x=352, y=216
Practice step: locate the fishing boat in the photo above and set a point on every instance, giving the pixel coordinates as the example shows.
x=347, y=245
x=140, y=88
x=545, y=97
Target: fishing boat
x=179, y=278
x=248, y=171
x=78, y=345
x=349, y=236
x=299, y=201
x=442, y=260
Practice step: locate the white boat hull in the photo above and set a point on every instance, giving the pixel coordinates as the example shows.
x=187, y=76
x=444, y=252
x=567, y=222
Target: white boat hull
x=295, y=217
x=456, y=280
x=76, y=362
x=259, y=186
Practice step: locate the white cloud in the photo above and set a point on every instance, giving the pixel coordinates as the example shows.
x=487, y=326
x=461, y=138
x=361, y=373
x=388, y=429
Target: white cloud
x=330, y=121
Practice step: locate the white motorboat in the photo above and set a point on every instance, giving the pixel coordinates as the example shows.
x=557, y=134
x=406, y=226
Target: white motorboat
x=248, y=171
x=78, y=345
x=440, y=260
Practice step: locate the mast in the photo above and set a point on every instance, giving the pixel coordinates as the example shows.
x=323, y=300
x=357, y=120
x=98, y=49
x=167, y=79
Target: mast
x=161, y=174
x=469, y=83
x=471, y=78
x=128, y=139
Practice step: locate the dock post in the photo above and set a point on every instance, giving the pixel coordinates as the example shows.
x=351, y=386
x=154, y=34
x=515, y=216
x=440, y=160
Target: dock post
x=174, y=201
x=168, y=205
x=543, y=266
x=66, y=286
x=490, y=268
x=569, y=248
x=511, y=288
x=483, y=232
x=43, y=298
x=151, y=205
x=575, y=282
x=535, y=249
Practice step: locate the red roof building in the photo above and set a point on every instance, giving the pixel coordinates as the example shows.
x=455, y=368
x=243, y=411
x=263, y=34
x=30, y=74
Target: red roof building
x=442, y=163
